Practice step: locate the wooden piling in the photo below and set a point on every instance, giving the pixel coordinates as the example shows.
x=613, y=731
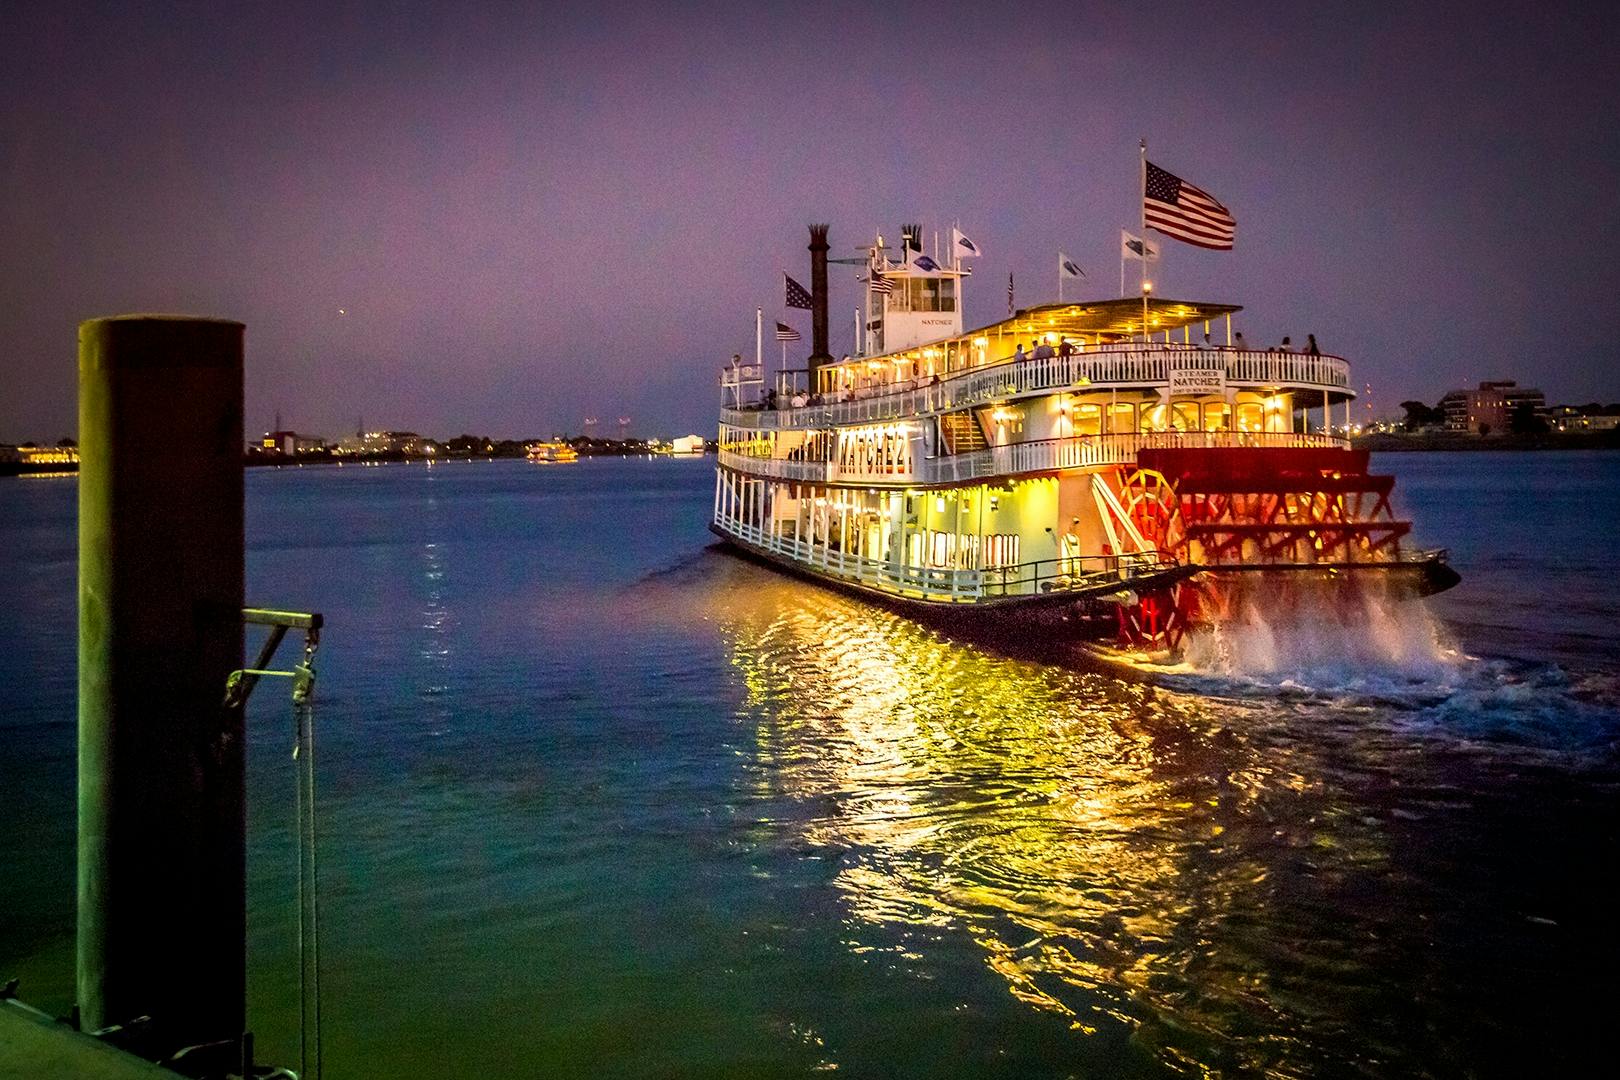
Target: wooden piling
x=162, y=894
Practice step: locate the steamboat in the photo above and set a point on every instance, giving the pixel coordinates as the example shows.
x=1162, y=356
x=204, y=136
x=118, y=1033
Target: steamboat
x=1124, y=471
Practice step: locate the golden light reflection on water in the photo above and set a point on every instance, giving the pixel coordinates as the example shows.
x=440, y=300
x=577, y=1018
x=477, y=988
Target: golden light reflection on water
x=1091, y=836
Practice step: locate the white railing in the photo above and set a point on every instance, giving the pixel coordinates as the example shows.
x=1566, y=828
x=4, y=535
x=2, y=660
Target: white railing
x=1103, y=367
x=780, y=468
x=952, y=585
x=925, y=583
x=1045, y=455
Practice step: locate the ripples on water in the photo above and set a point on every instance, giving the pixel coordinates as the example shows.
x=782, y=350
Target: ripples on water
x=600, y=801
x=1292, y=863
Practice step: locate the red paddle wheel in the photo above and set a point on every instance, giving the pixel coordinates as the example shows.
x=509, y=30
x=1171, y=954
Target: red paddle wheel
x=1159, y=619
x=1240, y=509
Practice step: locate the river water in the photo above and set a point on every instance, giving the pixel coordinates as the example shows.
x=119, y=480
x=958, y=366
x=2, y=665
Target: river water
x=598, y=800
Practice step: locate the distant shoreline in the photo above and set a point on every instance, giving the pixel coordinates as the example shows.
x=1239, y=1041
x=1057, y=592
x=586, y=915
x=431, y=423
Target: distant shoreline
x=13, y=468
x=1383, y=444
x=1461, y=441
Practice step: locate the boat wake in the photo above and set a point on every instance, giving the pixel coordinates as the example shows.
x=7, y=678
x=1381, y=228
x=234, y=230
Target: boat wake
x=1356, y=647
x=1325, y=633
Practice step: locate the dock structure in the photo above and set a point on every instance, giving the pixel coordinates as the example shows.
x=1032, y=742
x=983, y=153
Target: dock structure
x=33, y=1045
x=161, y=883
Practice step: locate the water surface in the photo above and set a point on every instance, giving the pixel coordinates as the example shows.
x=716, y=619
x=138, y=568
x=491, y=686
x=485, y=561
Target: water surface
x=600, y=801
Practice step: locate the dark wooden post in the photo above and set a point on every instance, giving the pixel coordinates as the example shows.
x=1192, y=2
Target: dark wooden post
x=162, y=893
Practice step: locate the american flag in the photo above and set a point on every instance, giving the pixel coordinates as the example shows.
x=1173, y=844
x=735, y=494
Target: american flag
x=784, y=332
x=881, y=284
x=797, y=295
x=1009, y=293
x=1186, y=213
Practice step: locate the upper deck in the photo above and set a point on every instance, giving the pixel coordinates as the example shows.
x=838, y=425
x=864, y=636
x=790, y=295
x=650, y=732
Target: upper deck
x=1130, y=365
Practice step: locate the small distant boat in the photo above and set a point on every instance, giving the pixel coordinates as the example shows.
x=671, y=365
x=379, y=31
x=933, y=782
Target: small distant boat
x=552, y=453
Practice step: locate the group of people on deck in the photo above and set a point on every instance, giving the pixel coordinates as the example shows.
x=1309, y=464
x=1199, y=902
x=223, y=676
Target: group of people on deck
x=1287, y=345
x=1041, y=350
x=1065, y=347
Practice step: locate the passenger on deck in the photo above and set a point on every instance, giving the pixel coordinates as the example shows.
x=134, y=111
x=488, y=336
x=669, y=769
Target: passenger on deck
x=1018, y=353
x=1239, y=343
x=1206, y=344
x=770, y=398
x=1310, y=346
x=1065, y=347
x=1287, y=345
x=1043, y=351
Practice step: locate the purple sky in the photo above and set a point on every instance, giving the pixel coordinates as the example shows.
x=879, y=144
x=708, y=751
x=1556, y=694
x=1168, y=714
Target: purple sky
x=534, y=213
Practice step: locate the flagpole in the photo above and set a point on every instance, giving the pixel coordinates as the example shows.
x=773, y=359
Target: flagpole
x=1142, y=199
x=1122, y=263
x=759, y=348
x=1060, y=277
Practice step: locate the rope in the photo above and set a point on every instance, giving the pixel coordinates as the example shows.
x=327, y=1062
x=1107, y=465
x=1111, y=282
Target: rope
x=309, y=912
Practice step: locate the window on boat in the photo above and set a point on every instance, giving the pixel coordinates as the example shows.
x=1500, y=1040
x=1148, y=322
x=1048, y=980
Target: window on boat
x=1184, y=416
x=1123, y=418
x=925, y=294
x=1001, y=549
x=1088, y=419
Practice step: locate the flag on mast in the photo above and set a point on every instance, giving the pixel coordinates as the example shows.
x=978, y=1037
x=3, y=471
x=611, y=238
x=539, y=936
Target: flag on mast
x=784, y=332
x=1067, y=268
x=920, y=263
x=1183, y=212
x=880, y=284
x=797, y=295
x=1132, y=246
x=961, y=246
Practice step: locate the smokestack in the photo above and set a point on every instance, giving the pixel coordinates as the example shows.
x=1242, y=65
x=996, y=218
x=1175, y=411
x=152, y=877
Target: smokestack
x=818, y=297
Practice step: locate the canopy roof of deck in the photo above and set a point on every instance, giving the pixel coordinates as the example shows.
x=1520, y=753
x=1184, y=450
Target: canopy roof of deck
x=1114, y=318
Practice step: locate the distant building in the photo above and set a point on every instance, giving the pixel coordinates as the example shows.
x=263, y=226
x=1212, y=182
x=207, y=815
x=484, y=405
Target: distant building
x=290, y=443
x=1491, y=408
x=37, y=456
x=688, y=445
x=1592, y=417
x=407, y=443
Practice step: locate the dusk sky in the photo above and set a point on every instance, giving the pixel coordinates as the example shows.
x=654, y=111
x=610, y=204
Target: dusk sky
x=532, y=213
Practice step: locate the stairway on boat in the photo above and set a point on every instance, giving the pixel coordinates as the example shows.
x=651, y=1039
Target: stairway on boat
x=961, y=433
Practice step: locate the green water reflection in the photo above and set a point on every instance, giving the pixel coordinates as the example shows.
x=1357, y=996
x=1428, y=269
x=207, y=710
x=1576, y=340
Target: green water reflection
x=1119, y=856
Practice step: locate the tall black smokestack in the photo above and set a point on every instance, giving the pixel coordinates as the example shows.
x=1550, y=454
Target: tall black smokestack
x=818, y=297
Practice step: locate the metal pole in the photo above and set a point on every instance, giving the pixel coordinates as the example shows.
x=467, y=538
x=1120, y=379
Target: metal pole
x=1141, y=194
x=161, y=886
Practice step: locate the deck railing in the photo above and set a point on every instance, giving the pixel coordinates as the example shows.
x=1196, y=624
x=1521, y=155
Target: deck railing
x=953, y=584
x=919, y=582
x=1107, y=366
x=1013, y=459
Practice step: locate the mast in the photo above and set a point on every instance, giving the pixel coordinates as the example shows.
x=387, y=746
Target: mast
x=1141, y=201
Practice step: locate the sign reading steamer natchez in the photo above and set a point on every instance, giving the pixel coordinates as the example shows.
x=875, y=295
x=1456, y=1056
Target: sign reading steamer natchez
x=1197, y=381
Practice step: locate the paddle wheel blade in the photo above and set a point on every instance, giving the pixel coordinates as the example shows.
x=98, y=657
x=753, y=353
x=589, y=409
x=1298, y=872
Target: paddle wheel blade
x=1278, y=512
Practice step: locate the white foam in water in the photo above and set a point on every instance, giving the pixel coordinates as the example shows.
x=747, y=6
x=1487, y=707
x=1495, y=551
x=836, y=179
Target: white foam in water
x=1323, y=634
